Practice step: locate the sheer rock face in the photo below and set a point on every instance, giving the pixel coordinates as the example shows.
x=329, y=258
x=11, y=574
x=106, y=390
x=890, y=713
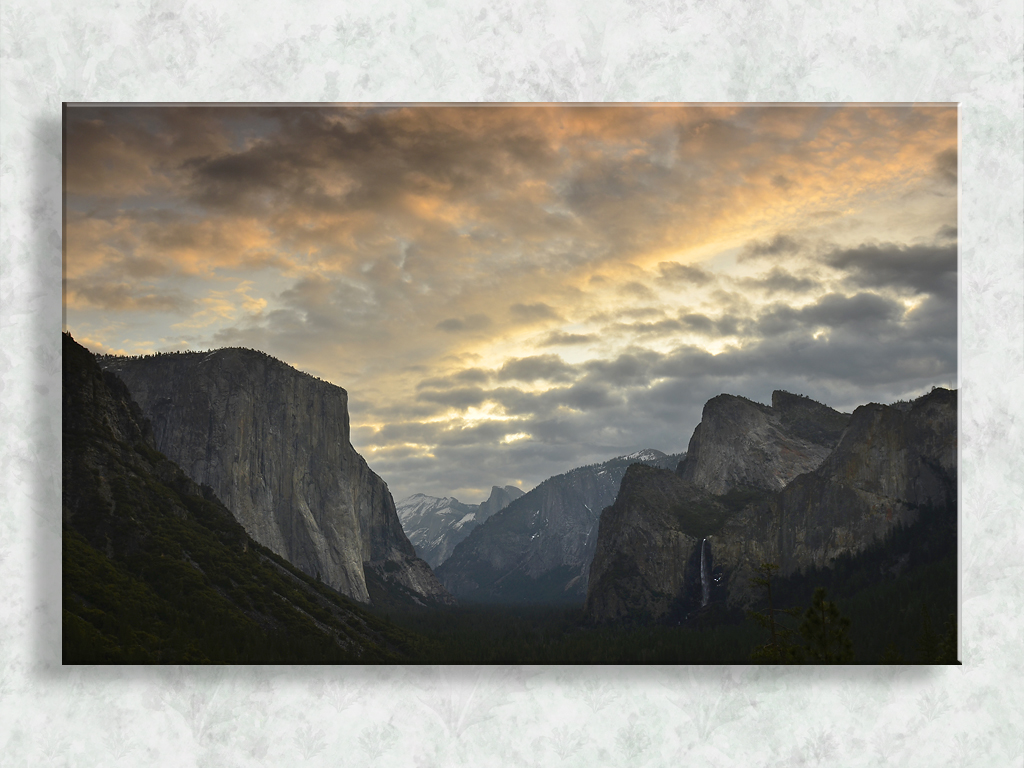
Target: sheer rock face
x=641, y=552
x=273, y=443
x=539, y=548
x=742, y=443
x=435, y=525
x=892, y=464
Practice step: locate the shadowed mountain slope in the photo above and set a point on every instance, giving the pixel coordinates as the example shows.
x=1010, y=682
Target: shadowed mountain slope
x=538, y=549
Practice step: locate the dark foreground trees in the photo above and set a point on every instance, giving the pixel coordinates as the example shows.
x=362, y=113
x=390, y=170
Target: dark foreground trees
x=824, y=631
x=820, y=634
x=779, y=649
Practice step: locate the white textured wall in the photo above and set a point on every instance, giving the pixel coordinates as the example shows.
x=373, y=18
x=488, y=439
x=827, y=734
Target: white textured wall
x=545, y=50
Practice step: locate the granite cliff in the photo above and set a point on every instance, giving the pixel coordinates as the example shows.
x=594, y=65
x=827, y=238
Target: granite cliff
x=435, y=525
x=538, y=549
x=796, y=484
x=156, y=570
x=742, y=443
x=273, y=444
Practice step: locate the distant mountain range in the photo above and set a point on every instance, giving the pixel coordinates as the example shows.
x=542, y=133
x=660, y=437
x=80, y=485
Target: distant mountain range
x=435, y=525
x=538, y=549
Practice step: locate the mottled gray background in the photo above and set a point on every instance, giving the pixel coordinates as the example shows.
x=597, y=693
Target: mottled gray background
x=547, y=50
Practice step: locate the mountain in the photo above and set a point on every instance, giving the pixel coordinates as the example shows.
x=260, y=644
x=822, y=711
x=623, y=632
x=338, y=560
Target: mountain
x=273, y=444
x=538, y=549
x=742, y=443
x=757, y=486
x=435, y=525
x=156, y=570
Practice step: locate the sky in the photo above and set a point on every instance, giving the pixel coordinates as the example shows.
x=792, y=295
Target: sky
x=509, y=292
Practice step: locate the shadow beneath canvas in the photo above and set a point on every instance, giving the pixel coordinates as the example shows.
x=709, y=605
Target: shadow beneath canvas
x=40, y=298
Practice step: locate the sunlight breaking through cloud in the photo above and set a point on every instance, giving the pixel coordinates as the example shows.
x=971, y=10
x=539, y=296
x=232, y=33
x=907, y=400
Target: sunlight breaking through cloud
x=509, y=292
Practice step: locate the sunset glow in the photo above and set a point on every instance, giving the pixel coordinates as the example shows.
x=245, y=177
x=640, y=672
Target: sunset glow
x=510, y=292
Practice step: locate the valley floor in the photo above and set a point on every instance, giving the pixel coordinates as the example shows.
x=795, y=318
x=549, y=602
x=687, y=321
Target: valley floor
x=897, y=620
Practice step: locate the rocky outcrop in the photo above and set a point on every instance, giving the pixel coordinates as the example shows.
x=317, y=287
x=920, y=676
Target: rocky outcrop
x=435, y=525
x=742, y=443
x=890, y=465
x=273, y=444
x=647, y=559
x=497, y=501
x=539, y=548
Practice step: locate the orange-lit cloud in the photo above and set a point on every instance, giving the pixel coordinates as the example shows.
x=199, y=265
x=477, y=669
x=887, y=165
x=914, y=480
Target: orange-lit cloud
x=507, y=292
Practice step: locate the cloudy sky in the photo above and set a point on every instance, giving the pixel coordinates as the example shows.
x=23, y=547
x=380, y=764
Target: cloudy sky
x=510, y=292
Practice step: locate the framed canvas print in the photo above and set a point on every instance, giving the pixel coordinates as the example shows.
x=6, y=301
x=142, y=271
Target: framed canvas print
x=564, y=384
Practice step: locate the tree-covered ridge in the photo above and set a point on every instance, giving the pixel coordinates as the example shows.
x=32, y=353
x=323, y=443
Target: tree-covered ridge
x=109, y=360
x=157, y=570
x=890, y=590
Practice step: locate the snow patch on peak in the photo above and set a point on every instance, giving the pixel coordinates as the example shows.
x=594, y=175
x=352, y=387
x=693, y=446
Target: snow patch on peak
x=647, y=454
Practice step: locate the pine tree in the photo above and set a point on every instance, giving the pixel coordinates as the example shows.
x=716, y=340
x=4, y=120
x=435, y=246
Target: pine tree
x=927, y=642
x=826, y=632
x=892, y=655
x=778, y=650
x=947, y=648
x=933, y=649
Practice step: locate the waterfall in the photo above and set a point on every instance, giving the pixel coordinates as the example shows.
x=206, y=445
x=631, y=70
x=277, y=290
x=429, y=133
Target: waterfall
x=705, y=582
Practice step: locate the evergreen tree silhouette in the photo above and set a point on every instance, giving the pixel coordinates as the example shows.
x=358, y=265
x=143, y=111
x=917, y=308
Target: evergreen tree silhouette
x=779, y=650
x=825, y=632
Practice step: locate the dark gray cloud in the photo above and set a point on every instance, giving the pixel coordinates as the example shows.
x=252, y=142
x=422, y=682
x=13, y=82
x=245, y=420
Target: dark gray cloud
x=849, y=357
x=383, y=155
x=868, y=311
x=451, y=325
x=871, y=351
x=919, y=268
x=474, y=322
x=726, y=325
x=674, y=272
x=588, y=396
x=462, y=398
x=528, y=369
x=630, y=368
x=478, y=433
x=558, y=338
x=779, y=280
x=461, y=378
x=660, y=328
x=934, y=319
x=528, y=313
x=332, y=306
x=780, y=245
x=946, y=165
x=128, y=296
x=636, y=290
x=635, y=313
